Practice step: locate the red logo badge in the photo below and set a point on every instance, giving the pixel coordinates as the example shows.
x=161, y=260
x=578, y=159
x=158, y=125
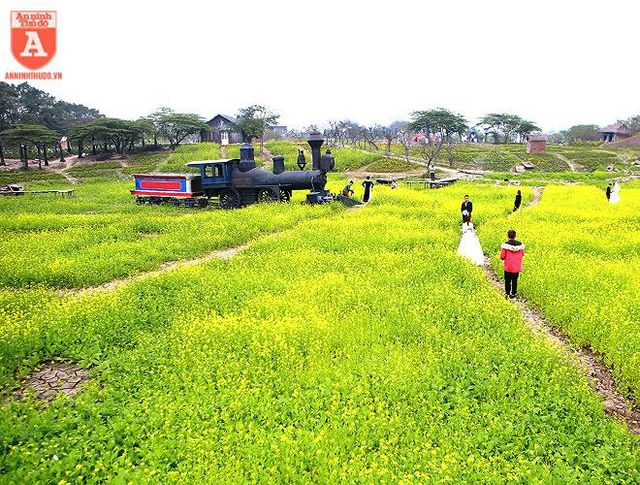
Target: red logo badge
x=33, y=37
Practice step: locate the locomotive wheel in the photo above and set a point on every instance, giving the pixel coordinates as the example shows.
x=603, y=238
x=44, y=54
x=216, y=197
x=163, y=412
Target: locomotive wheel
x=140, y=201
x=230, y=199
x=267, y=195
x=203, y=202
x=285, y=195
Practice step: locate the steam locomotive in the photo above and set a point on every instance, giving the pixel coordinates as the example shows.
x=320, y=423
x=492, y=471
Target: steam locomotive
x=238, y=182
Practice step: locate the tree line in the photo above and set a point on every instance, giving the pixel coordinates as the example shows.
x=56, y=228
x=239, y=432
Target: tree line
x=31, y=118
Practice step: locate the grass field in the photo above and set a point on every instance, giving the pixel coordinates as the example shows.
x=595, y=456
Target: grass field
x=340, y=345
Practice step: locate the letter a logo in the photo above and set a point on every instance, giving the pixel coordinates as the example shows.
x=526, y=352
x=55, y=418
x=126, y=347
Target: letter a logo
x=33, y=37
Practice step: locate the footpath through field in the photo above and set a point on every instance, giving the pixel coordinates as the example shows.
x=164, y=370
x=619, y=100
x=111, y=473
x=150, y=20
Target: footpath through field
x=592, y=364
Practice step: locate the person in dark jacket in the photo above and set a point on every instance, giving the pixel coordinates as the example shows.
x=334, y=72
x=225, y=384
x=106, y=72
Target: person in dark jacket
x=368, y=187
x=518, y=201
x=608, y=192
x=467, y=205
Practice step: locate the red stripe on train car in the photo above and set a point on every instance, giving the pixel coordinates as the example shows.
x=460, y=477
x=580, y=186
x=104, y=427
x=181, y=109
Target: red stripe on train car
x=160, y=176
x=155, y=193
x=159, y=184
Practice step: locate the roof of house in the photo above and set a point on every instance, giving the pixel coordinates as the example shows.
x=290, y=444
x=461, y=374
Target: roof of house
x=618, y=128
x=230, y=119
x=537, y=137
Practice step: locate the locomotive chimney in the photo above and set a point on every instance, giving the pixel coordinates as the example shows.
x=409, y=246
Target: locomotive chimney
x=278, y=164
x=315, y=141
x=247, y=162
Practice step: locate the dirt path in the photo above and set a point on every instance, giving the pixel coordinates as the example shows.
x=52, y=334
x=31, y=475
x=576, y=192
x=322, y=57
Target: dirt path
x=573, y=166
x=168, y=266
x=65, y=170
x=537, y=195
x=591, y=363
x=267, y=159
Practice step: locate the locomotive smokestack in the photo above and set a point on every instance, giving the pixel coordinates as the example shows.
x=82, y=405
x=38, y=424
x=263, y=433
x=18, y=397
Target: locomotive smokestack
x=315, y=141
x=278, y=164
x=247, y=160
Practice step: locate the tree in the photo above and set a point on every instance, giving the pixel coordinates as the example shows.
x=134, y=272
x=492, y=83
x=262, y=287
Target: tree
x=581, y=133
x=108, y=131
x=147, y=128
x=390, y=133
x=177, y=126
x=440, y=126
x=155, y=117
x=25, y=134
x=505, y=125
x=405, y=137
x=633, y=123
x=254, y=120
x=25, y=104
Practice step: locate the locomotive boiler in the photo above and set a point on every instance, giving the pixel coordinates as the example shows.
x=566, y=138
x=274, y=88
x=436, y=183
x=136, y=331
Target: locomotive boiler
x=238, y=182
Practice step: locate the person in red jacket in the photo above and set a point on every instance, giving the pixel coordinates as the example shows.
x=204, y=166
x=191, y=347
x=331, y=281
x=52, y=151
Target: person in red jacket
x=511, y=253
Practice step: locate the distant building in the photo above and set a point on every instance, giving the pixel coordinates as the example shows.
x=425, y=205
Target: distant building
x=222, y=130
x=280, y=129
x=615, y=132
x=536, y=143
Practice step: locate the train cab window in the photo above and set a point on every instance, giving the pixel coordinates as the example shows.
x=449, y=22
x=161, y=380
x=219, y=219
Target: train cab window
x=217, y=171
x=208, y=170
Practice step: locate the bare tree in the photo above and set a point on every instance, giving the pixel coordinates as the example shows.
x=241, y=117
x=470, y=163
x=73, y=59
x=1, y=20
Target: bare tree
x=405, y=137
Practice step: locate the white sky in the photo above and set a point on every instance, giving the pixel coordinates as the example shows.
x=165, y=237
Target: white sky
x=557, y=63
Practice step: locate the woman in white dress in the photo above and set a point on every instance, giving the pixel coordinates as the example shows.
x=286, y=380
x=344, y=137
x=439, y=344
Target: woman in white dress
x=615, y=193
x=469, y=246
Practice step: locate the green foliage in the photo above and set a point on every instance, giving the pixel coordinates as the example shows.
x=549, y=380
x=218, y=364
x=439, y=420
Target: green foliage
x=176, y=161
x=505, y=125
x=396, y=362
x=28, y=134
x=87, y=245
x=385, y=165
x=253, y=121
x=581, y=269
x=22, y=176
x=25, y=104
x=177, y=126
x=438, y=121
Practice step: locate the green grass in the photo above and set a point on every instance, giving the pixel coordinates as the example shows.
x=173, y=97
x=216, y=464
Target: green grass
x=391, y=165
x=336, y=351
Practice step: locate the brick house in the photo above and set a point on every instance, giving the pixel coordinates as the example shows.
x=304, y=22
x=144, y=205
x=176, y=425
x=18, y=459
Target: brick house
x=536, y=143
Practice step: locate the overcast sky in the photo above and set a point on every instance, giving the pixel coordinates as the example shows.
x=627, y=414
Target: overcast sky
x=557, y=63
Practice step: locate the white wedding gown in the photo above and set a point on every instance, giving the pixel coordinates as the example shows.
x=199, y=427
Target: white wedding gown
x=615, y=194
x=470, y=246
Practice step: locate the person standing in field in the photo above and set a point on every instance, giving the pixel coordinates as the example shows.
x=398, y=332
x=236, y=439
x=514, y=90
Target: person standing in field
x=518, y=201
x=608, y=192
x=467, y=206
x=470, y=246
x=615, y=193
x=511, y=253
x=368, y=188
